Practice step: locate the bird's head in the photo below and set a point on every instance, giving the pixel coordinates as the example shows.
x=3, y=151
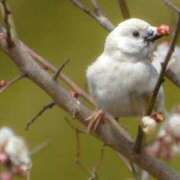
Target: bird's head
x=134, y=38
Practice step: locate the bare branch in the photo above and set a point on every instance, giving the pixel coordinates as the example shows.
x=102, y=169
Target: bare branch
x=97, y=15
x=11, y=82
x=139, y=139
x=56, y=75
x=7, y=21
x=37, y=115
x=124, y=9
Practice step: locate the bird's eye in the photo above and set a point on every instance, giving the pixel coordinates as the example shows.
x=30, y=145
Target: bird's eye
x=136, y=34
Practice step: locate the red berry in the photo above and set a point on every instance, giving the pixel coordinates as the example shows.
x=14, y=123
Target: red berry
x=163, y=30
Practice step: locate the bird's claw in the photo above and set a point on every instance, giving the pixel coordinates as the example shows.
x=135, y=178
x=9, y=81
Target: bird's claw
x=94, y=120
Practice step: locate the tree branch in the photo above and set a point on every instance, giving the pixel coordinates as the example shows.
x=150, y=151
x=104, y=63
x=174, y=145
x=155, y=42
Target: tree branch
x=110, y=132
x=124, y=9
x=96, y=15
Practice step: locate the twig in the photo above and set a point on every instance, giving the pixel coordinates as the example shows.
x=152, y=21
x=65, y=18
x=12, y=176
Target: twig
x=56, y=75
x=124, y=9
x=37, y=115
x=12, y=82
x=7, y=21
x=139, y=139
x=99, y=17
x=39, y=148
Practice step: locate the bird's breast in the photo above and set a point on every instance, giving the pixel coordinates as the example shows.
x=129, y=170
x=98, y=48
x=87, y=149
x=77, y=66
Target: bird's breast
x=123, y=88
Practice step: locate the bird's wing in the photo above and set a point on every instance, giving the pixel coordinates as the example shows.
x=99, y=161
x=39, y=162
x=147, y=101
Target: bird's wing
x=173, y=70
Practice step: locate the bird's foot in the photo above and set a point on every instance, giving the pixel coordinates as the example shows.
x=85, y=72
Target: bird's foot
x=95, y=120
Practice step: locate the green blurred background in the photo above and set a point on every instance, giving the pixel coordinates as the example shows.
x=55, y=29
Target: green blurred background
x=57, y=30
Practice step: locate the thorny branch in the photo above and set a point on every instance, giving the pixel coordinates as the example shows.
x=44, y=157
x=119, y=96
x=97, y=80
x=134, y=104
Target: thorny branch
x=110, y=132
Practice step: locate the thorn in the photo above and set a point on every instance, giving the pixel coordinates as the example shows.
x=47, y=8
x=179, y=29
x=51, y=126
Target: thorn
x=37, y=115
x=56, y=75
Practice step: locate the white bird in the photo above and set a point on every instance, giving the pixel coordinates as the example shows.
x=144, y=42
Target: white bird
x=122, y=78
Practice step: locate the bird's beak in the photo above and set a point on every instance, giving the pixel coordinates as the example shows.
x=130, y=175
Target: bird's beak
x=156, y=33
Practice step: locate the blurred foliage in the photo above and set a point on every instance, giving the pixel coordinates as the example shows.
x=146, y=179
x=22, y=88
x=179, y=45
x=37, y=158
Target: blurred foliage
x=57, y=30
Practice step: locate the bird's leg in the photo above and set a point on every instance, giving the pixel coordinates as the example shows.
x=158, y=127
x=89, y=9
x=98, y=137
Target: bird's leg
x=94, y=120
